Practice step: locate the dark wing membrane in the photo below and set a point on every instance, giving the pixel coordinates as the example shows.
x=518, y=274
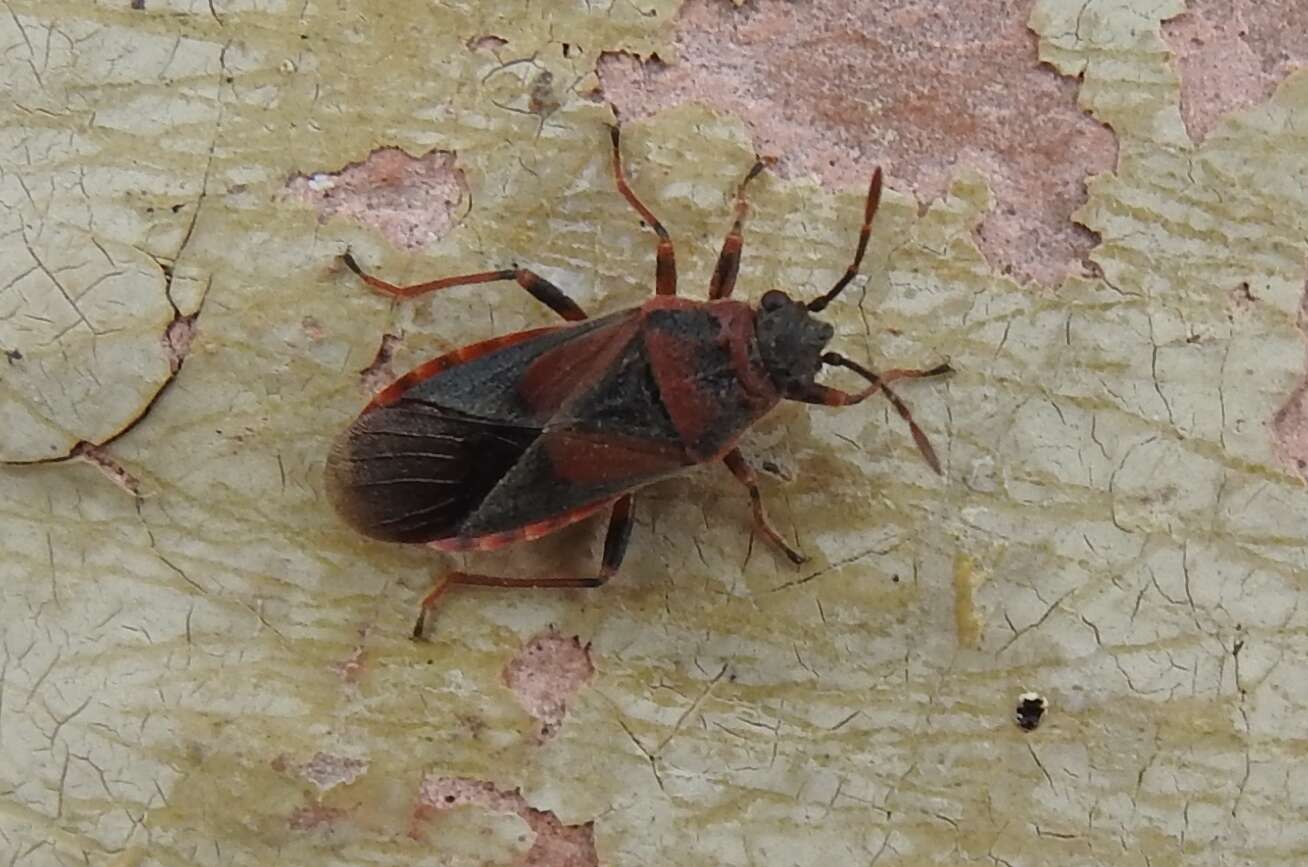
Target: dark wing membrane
x=412, y=472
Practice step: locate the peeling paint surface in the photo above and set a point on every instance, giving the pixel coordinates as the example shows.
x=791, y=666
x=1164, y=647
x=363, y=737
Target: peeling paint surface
x=410, y=201
x=207, y=669
x=925, y=88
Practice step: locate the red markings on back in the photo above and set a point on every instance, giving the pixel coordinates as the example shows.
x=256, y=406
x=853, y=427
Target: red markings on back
x=673, y=362
x=559, y=373
x=678, y=364
x=594, y=458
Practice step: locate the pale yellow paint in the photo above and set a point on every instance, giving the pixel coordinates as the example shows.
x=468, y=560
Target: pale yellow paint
x=1106, y=447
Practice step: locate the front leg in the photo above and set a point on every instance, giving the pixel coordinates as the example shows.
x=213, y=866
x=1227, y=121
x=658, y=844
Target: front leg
x=741, y=469
x=827, y=396
x=665, y=263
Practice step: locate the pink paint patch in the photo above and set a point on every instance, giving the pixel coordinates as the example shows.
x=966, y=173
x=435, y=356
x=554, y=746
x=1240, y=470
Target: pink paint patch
x=177, y=340
x=546, y=674
x=411, y=201
x=99, y=457
x=314, y=816
x=327, y=771
x=1290, y=424
x=924, y=88
x=378, y=374
x=555, y=844
x=1232, y=53
x=489, y=42
x=349, y=668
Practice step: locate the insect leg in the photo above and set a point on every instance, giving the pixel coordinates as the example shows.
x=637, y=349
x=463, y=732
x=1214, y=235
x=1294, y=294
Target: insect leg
x=869, y=211
x=537, y=286
x=724, y=275
x=816, y=393
x=665, y=269
x=741, y=469
x=616, y=539
x=615, y=547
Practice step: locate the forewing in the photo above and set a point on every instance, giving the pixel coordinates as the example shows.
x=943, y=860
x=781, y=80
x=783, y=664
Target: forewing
x=426, y=454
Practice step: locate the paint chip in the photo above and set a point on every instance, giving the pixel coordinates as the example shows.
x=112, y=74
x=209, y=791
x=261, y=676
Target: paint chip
x=555, y=844
x=411, y=201
x=546, y=674
x=923, y=89
x=1231, y=54
x=1031, y=707
x=327, y=771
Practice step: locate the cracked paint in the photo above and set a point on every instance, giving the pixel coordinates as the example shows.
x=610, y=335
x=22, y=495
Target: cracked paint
x=82, y=318
x=1110, y=470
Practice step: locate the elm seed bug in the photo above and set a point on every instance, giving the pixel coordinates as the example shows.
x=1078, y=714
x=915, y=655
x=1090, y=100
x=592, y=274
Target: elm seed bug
x=521, y=435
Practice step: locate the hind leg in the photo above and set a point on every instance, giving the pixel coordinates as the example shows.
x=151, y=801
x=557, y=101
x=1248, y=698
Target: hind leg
x=615, y=548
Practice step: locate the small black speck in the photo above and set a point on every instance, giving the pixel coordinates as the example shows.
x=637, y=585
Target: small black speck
x=177, y=207
x=894, y=579
x=449, y=799
x=1031, y=709
x=13, y=355
x=228, y=79
x=138, y=4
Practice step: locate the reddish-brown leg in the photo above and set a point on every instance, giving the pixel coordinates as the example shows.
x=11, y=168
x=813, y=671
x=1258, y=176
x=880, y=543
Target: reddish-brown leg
x=615, y=547
x=724, y=275
x=869, y=211
x=665, y=268
x=741, y=469
x=537, y=286
x=828, y=396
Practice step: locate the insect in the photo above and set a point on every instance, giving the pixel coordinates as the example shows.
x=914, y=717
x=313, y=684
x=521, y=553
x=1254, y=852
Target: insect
x=518, y=436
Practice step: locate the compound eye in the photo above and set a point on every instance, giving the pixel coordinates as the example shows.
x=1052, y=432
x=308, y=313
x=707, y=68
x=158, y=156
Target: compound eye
x=774, y=300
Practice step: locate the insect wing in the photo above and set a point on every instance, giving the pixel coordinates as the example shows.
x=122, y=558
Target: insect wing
x=412, y=472
x=421, y=460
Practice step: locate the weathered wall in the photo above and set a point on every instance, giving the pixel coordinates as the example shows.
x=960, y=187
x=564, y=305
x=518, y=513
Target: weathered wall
x=199, y=665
